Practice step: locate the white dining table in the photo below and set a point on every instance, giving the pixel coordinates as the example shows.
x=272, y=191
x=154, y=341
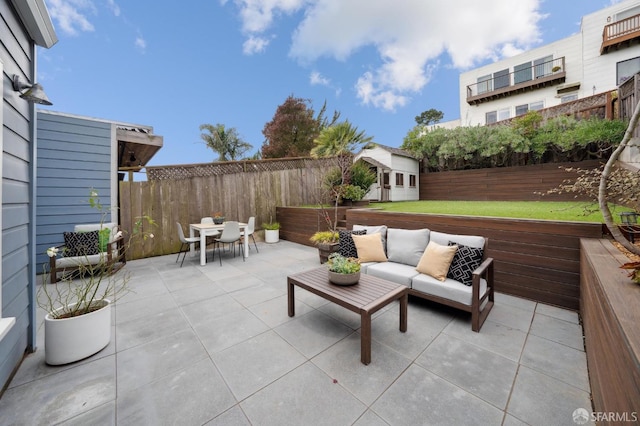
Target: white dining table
x=206, y=229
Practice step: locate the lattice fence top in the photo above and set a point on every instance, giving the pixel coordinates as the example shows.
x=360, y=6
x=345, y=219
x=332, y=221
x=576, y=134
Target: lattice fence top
x=187, y=171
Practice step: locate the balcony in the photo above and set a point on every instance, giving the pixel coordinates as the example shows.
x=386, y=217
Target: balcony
x=620, y=34
x=523, y=80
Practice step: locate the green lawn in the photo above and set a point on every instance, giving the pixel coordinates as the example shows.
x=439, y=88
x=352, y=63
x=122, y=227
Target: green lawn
x=549, y=210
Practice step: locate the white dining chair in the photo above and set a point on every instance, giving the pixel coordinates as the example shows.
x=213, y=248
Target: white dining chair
x=230, y=235
x=249, y=230
x=212, y=234
x=185, y=242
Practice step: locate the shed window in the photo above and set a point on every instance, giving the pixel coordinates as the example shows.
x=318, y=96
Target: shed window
x=412, y=181
x=399, y=179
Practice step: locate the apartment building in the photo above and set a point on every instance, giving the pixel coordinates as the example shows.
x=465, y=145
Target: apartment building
x=602, y=55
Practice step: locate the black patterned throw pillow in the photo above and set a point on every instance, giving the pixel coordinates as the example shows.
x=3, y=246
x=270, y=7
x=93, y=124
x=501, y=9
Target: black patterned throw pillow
x=464, y=262
x=346, y=246
x=81, y=243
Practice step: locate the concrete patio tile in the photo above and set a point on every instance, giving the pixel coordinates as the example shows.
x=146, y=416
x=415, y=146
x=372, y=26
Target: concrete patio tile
x=207, y=310
x=511, y=316
x=341, y=362
x=495, y=337
x=253, y=364
x=305, y=396
x=419, y=397
x=258, y=293
x=215, y=272
x=559, y=313
x=146, y=329
x=105, y=415
x=344, y=315
x=228, y=330
x=196, y=279
x=148, y=362
x=205, y=289
x=190, y=396
x=557, y=360
x=61, y=396
x=557, y=330
x=233, y=416
x=483, y=373
x=140, y=308
x=423, y=325
x=369, y=418
x=538, y=399
x=239, y=282
x=516, y=302
x=509, y=420
x=313, y=333
x=274, y=312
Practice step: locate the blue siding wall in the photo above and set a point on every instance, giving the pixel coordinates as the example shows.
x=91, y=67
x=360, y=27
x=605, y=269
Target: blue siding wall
x=16, y=54
x=74, y=155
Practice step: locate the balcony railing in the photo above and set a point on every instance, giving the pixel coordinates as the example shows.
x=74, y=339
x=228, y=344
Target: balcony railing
x=620, y=33
x=523, y=80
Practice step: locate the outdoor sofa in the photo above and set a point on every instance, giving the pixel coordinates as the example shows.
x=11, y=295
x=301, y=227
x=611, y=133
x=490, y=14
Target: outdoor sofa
x=460, y=277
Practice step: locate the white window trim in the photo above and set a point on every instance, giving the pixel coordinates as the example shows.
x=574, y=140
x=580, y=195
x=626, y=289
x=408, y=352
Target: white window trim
x=5, y=323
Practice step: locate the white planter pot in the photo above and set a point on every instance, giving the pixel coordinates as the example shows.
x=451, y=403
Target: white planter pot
x=72, y=339
x=271, y=235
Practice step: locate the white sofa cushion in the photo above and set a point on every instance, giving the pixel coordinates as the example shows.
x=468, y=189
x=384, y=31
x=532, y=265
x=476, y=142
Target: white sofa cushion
x=393, y=271
x=447, y=289
x=406, y=246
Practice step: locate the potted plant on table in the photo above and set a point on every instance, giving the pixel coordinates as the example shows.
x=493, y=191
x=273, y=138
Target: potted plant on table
x=78, y=319
x=218, y=218
x=343, y=270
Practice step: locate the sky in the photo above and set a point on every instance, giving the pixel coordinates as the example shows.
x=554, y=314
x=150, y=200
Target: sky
x=380, y=63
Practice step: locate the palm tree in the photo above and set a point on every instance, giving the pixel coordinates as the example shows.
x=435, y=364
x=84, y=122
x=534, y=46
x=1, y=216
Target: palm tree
x=226, y=142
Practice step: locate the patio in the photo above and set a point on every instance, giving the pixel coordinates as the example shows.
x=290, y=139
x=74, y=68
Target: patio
x=214, y=345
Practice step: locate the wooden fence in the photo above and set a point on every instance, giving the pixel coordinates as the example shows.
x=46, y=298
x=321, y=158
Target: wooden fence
x=236, y=195
x=629, y=94
x=535, y=259
x=524, y=183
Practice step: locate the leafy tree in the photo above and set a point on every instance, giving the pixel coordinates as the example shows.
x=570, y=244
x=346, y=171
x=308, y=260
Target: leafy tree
x=226, y=142
x=293, y=129
x=430, y=116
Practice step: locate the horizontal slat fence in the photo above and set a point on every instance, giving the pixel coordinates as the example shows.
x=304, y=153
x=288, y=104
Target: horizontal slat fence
x=538, y=260
x=522, y=183
x=237, y=196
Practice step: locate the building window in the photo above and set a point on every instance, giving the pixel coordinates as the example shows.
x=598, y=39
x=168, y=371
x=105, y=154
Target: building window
x=491, y=117
x=399, y=179
x=569, y=98
x=626, y=69
x=412, y=181
x=543, y=66
x=522, y=73
x=535, y=106
x=501, y=79
x=521, y=109
x=485, y=84
x=504, y=114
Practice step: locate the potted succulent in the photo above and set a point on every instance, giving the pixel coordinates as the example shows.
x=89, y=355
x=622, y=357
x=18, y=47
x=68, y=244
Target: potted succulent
x=78, y=306
x=327, y=243
x=343, y=270
x=271, y=231
x=218, y=218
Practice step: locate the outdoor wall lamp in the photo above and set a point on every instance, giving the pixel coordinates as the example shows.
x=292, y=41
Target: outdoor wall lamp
x=35, y=93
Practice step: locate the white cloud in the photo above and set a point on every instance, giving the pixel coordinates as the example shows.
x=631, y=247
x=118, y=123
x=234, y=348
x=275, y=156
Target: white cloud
x=318, y=79
x=140, y=43
x=409, y=38
x=71, y=15
x=254, y=45
x=114, y=7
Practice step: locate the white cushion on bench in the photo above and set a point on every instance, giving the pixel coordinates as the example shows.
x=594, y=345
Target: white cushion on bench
x=447, y=289
x=392, y=271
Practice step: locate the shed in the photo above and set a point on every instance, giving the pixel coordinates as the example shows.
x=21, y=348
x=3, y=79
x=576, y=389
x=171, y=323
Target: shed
x=396, y=170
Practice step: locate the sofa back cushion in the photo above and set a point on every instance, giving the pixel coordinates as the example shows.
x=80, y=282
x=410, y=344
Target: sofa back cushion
x=467, y=240
x=407, y=245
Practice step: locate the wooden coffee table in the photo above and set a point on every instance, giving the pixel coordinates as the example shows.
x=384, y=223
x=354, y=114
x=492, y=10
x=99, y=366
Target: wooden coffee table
x=365, y=298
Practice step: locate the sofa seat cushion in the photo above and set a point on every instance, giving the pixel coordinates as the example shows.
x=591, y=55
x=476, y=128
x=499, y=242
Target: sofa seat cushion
x=447, y=289
x=365, y=265
x=392, y=271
